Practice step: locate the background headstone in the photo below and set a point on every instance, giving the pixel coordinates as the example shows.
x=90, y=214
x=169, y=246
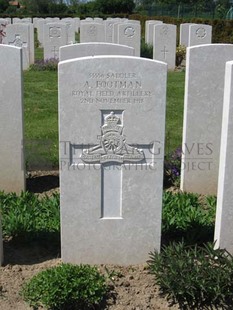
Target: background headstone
x=3, y=24
x=149, y=30
x=19, y=35
x=164, y=45
x=224, y=215
x=200, y=34
x=184, y=33
x=12, y=176
x=70, y=27
x=204, y=85
x=112, y=110
x=94, y=49
x=40, y=31
x=130, y=35
x=92, y=32
x=55, y=36
x=109, y=30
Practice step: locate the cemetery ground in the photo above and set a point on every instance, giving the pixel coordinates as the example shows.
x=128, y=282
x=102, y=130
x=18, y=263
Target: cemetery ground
x=31, y=224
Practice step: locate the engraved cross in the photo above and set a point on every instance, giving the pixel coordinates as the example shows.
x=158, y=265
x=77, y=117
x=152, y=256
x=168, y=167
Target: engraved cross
x=165, y=52
x=18, y=42
x=55, y=51
x=112, y=155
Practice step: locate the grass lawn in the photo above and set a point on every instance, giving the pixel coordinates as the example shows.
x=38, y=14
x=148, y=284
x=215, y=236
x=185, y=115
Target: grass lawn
x=41, y=116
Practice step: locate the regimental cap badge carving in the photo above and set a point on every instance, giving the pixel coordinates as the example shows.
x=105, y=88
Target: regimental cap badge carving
x=112, y=147
x=129, y=32
x=111, y=122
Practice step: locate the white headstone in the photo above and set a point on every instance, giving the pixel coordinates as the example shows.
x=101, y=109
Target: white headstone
x=77, y=23
x=94, y=49
x=164, y=45
x=224, y=215
x=3, y=24
x=26, y=20
x=115, y=33
x=19, y=35
x=49, y=20
x=16, y=20
x=92, y=32
x=12, y=176
x=112, y=109
x=40, y=31
x=8, y=19
x=55, y=36
x=200, y=34
x=31, y=44
x=98, y=20
x=130, y=35
x=149, y=30
x=1, y=244
x=35, y=20
x=109, y=30
x=70, y=27
x=88, y=19
x=204, y=85
x=184, y=34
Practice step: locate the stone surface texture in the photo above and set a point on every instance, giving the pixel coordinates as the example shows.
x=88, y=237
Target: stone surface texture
x=92, y=32
x=19, y=35
x=12, y=177
x=184, y=33
x=200, y=34
x=55, y=36
x=164, y=44
x=224, y=215
x=111, y=208
x=130, y=34
x=94, y=49
x=204, y=88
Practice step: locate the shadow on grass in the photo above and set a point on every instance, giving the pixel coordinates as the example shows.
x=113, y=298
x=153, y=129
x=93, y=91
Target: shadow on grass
x=32, y=249
x=42, y=184
x=195, y=234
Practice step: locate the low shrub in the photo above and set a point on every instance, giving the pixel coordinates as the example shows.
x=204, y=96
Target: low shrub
x=27, y=216
x=66, y=287
x=146, y=50
x=45, y=65
x=195, y=278
x=180, y=54
x=188, y=217
x=172, y=168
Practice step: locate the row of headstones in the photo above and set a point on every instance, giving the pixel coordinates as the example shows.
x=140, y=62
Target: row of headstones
x=20, y=35
x=104, y=188
x=54, y=33
x=190, y=34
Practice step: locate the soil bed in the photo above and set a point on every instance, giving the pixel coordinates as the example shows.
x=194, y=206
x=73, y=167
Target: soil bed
x=132, y=288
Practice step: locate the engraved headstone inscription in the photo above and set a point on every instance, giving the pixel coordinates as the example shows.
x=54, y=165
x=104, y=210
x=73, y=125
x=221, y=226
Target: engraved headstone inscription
x=204, y=89
x=112, y=119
